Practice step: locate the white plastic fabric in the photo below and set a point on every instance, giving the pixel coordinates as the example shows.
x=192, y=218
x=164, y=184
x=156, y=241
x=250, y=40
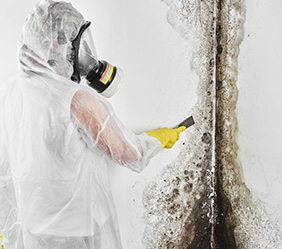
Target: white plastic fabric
x=56, y=137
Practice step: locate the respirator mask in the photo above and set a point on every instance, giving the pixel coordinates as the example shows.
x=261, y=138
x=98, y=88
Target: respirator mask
x=100, y=75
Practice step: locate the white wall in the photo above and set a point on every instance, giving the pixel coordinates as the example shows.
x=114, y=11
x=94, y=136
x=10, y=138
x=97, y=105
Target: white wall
x=260, y=104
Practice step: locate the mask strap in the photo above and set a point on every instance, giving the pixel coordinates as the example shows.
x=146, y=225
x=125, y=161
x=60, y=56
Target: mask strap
x=76, y=44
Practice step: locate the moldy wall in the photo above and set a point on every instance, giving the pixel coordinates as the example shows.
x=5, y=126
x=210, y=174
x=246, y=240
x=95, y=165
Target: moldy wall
x=181, y=58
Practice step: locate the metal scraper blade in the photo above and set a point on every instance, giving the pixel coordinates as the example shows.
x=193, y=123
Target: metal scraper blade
x=187, y=122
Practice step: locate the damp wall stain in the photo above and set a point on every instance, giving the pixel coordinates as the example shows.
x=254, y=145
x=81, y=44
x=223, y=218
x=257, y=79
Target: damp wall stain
x=228, y=38
x=200, y=200
x=242, y=221
x=179, y=203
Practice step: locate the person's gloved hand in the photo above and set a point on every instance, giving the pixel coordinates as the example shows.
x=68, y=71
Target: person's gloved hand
x=167, y=136
x=1, y=242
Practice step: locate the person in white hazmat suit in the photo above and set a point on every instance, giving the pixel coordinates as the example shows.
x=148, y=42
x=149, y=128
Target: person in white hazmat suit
x=56, y=136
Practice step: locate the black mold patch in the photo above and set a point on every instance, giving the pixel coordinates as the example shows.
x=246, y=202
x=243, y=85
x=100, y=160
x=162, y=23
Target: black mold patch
x=197, y=229
x=200, y=200
x=181, y=199
x=206, y=138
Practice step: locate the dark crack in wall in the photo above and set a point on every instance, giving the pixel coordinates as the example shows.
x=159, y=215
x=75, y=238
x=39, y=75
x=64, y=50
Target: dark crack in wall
x=225, y=129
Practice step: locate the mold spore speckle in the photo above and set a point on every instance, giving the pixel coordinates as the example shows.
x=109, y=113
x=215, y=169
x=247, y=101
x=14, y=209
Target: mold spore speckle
x=239, y=211
x=179, y=202
x=206, y=138
x=170, y=199
x=180, y=211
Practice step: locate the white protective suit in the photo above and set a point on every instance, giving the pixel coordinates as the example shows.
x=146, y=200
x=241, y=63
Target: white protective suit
x=55, y=139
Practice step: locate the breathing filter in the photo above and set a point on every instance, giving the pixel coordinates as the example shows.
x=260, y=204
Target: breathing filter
x=100, y=75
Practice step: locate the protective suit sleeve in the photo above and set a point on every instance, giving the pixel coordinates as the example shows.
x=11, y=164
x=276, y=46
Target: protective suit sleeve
x=9, y=226
x=102, y=130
